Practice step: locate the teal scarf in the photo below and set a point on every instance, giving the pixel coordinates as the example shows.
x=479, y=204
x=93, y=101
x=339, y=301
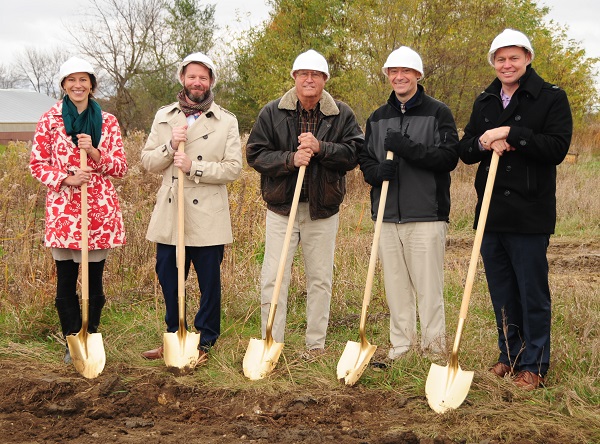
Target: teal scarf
x=88, y=122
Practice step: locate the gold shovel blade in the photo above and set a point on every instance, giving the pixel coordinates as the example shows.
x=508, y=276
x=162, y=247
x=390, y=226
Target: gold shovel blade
x=447, y=387
x=87, y=353
x=354, y=360
x=181, y=351
x=260, y=358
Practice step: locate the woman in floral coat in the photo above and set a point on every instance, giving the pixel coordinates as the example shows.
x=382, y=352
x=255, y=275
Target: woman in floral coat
x=73, y=124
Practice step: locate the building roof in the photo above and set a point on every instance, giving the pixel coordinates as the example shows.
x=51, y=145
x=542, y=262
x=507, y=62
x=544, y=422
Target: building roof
x=23, y=106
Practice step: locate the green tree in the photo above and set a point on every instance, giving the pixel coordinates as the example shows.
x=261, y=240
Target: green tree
x=265, y=57
x=191, y=27
x=186, y=28
x=356, y=36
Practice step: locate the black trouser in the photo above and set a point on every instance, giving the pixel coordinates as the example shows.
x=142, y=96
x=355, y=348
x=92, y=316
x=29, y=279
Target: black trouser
x=516, y=269
x=207, y=263
x=67, y=300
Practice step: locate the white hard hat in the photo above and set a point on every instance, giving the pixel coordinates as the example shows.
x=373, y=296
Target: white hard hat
x=73, y=65
x=509, y=37
x=404, y=57
x=198, y=57
x=310, y=59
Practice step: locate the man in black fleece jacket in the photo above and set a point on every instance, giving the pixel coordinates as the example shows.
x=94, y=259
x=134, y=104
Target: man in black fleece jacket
x=421, y=133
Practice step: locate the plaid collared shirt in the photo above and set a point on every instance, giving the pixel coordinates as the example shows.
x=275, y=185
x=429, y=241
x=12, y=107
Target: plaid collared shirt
x=307, y=123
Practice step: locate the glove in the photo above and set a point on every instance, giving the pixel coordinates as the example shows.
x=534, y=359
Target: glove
x=395, y=141
x=387, y=170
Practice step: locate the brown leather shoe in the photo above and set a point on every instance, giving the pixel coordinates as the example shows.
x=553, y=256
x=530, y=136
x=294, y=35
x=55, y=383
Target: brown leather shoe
x=500, y=369
x=528, y=380
x=157, y=353
x=202, y=358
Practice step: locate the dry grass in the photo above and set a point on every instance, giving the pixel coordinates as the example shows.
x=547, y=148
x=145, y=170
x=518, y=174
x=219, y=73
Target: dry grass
x=134, y=314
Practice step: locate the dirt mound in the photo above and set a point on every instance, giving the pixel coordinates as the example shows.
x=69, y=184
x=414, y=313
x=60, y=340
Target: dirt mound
x=52, y=405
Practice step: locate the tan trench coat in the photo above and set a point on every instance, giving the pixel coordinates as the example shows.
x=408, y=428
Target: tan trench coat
x=213, y=145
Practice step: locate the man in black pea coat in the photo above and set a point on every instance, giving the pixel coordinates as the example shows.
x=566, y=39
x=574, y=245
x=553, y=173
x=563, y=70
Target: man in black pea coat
x=528, y=122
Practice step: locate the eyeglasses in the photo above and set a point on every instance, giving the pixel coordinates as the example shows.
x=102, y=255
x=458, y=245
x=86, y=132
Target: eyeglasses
x=302, y=74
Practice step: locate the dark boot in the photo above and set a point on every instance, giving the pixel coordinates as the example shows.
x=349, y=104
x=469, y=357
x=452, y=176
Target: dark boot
x=96, y=304
x=70, y=320
x=67, y=301
x=69, y=315
x=97, y=299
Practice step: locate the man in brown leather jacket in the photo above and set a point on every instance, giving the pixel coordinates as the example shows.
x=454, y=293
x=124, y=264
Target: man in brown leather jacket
x=306, y=126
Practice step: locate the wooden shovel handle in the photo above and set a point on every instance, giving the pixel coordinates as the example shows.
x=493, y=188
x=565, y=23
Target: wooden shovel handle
x=85, y=280
x=284, y=252
x=180, y=248
x=485, y=206
x=374, y=247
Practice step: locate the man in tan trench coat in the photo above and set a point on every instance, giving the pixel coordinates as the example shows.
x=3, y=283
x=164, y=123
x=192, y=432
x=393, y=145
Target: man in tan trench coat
x=212, y=158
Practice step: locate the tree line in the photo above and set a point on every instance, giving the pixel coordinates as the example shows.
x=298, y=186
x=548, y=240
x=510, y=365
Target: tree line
x=136, y=45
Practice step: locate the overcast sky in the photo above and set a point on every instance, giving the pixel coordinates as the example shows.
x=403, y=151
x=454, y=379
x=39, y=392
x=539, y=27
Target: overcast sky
x=39, y=23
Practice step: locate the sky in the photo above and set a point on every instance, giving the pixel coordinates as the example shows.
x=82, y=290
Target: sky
x=40, y=23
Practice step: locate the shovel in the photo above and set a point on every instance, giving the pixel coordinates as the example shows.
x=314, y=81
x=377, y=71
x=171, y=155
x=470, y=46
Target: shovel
x=447, y=387
x=262, y=354
x=181, y=347
x=86, y=349
x=356, y=355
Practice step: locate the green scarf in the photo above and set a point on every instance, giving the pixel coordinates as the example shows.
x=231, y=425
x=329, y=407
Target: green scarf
x=88, y=122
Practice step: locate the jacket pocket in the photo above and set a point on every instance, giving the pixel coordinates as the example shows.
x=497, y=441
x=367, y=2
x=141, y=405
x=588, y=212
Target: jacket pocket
x=334, y=188
x=277, y=190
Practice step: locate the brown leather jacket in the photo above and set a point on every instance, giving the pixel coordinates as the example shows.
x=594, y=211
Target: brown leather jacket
x=274, y=139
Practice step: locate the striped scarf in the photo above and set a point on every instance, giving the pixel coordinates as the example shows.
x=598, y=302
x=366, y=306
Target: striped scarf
x=200, y=107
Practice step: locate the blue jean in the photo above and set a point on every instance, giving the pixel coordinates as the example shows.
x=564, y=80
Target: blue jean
x=207, y=263
x=516, y=269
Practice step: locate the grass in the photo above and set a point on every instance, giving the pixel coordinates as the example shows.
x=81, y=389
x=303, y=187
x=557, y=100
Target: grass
x=133, y=318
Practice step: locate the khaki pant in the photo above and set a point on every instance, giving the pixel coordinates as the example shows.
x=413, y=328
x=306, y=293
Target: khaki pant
x=318, y=244
x=412, y=256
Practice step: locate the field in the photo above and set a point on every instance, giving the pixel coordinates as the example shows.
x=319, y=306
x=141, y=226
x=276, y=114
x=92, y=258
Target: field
x=135, y=401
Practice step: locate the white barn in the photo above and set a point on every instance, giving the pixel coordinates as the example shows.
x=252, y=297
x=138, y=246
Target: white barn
x=20, y=111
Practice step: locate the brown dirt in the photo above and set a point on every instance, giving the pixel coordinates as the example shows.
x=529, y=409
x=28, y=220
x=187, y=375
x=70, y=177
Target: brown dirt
x=49, y=403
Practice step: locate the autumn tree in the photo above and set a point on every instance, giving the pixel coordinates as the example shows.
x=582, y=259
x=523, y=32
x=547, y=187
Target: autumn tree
x=38, y=69
x=138, y=43
x=9, y=78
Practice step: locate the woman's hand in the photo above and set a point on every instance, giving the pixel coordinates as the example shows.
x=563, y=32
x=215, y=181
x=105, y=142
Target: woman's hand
x=84, y=142
x=79, y=177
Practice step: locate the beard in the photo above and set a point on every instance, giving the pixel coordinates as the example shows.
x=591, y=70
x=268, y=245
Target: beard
x=195, y=95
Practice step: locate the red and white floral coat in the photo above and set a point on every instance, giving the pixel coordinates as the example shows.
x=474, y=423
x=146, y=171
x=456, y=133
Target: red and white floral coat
x=53, y=155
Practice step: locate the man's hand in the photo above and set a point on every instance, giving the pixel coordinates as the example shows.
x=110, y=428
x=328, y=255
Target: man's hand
x=387, y=170
x=395, y=141
x=308, y=141
x=302, y=157
x=182, y=161
x=496, y=134
x=178, y=135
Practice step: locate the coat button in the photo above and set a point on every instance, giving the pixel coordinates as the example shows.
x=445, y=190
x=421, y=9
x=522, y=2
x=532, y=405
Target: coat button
x=507, y=193
x=205, y=137
x=486, y=119
x=517, y=117
x=523, y=142
x=169, y=200
x=199, y=157
x=195, y=201
x=508, y=168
